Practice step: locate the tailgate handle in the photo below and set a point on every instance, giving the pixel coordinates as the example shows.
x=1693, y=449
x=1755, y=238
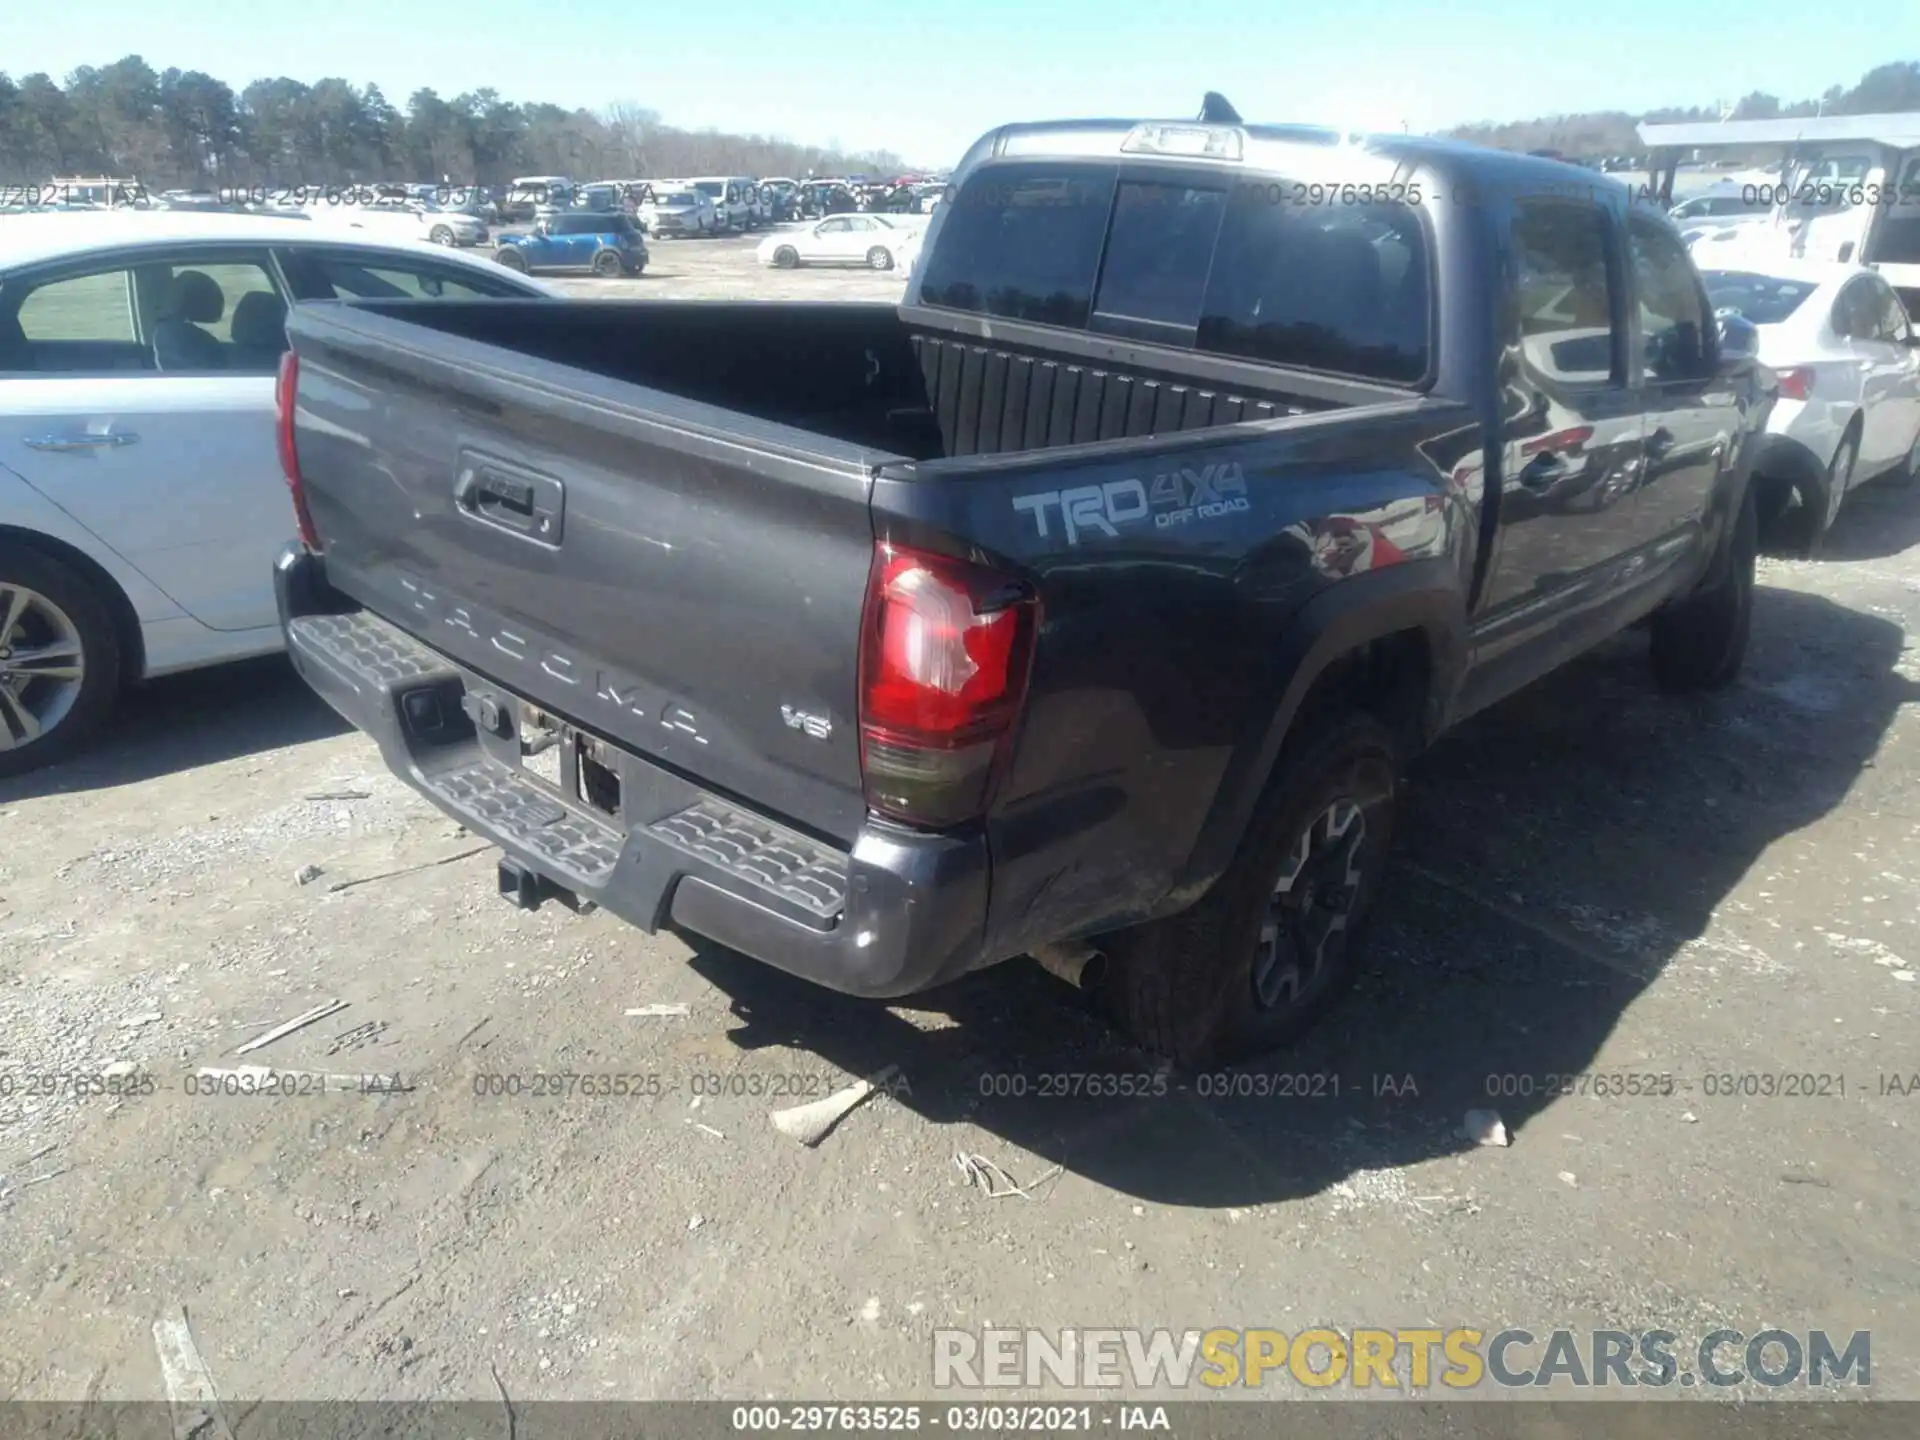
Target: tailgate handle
x=523, y=503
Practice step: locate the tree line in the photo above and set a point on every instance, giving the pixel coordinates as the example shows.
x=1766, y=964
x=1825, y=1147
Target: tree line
x=1887, y=89
x=185, y=128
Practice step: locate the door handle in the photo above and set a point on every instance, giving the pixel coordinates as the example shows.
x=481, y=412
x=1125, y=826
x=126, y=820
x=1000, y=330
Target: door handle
x=83, y=442
x=1659, y=443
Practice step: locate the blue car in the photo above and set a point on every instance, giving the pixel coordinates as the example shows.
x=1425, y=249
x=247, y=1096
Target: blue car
x=607, y=244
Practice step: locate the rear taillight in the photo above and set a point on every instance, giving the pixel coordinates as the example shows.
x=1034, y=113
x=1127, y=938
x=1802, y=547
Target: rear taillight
x=943, y=670
x=1796, y=384
x=283, y=398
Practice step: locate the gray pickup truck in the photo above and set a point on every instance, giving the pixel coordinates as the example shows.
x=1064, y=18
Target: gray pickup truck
x=1086, y=605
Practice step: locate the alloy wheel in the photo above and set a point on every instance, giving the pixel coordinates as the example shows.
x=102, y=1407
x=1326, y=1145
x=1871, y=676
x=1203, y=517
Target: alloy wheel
x=42, y=665
x=1307, y=913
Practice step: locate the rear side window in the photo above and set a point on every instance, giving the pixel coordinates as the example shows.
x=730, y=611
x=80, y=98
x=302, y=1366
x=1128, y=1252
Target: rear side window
x=84, y=307
x=1763, y=299
x=1894, y=325
x=1857, y=313
x=1563, y=292
x=1217, y=268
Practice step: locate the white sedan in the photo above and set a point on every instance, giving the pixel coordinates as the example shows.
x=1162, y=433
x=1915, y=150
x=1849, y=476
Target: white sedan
x=1848, y=360
x=874, y=241
x=141, y=493
x=407, y=220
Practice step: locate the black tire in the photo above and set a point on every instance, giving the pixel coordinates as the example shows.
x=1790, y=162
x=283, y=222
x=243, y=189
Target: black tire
x=81, y=603
x=441, y=235
x=1804, y=528
x=786, y=258
x=1189, y=987
x=608, y=265
x=1701, y=642
x=511, y=257
x=879, y=258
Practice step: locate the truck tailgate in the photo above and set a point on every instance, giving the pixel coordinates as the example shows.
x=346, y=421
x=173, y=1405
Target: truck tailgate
x=681, y=579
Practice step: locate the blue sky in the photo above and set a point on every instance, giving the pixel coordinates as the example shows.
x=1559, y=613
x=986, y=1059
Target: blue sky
x=927, y=77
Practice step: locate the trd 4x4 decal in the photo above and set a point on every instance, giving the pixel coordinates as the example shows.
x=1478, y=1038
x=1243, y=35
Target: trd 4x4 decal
x=1178, y=497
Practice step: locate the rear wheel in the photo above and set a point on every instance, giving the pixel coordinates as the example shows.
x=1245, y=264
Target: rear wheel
x=1805, y=526
x=786, y=258
x=608, y=264
x=440, y=235
x=59, y=660
x=511, y=257
x=1274, y=942
x=1701, y=643
x=880, y=258
x=1909, y=472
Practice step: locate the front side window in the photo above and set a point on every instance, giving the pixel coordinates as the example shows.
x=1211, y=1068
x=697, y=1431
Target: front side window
x=1673, y=316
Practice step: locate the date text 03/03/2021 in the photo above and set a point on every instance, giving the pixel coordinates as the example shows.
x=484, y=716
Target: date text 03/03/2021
x=968, y=1419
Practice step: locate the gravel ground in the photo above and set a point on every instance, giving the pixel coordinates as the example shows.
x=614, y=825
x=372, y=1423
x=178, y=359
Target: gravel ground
x=1592, y=878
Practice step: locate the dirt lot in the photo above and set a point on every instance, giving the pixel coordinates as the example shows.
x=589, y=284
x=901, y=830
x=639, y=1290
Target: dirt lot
x=1593, y=878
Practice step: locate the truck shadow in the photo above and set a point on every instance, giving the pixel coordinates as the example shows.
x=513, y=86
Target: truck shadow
x=1557, y=855
x=182, y=721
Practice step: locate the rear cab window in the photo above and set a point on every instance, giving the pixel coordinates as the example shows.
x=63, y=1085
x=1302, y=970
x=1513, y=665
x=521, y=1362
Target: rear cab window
x=1220, y=264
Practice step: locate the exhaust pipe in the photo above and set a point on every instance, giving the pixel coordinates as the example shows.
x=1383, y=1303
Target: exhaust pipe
x=1074, y=961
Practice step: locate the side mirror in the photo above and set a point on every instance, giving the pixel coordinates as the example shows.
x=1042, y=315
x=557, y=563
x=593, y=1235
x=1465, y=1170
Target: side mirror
x=1739, y=343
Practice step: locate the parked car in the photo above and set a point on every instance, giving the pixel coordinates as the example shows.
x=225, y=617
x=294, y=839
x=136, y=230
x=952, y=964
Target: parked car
x=868, y=240
x=140, y=498
x=1848, y=363
x=678, y=213
x=528, y=194
x=821, y=198
x=735, y=199
x=409, y=220
x=600, y=196
x=608, y=245
x=781, y=197
x=1025, y=617
x=1720, y=208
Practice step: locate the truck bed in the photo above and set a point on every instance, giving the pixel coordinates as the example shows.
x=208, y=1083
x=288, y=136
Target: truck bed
x=865, y=375
x=659, y=519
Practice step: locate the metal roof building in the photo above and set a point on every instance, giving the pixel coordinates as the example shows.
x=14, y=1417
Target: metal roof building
x=1901, y=131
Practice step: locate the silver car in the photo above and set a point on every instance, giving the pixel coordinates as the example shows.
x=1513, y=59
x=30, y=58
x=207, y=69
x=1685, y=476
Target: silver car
x=672, y=214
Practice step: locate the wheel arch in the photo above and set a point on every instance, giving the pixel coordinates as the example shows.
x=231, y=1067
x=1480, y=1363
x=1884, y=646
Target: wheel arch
x=1391, y=642
x=126, y=620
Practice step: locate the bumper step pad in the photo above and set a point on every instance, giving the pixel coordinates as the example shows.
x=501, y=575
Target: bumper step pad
x=799, y=870
x=576, y=845
x=366, y=645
